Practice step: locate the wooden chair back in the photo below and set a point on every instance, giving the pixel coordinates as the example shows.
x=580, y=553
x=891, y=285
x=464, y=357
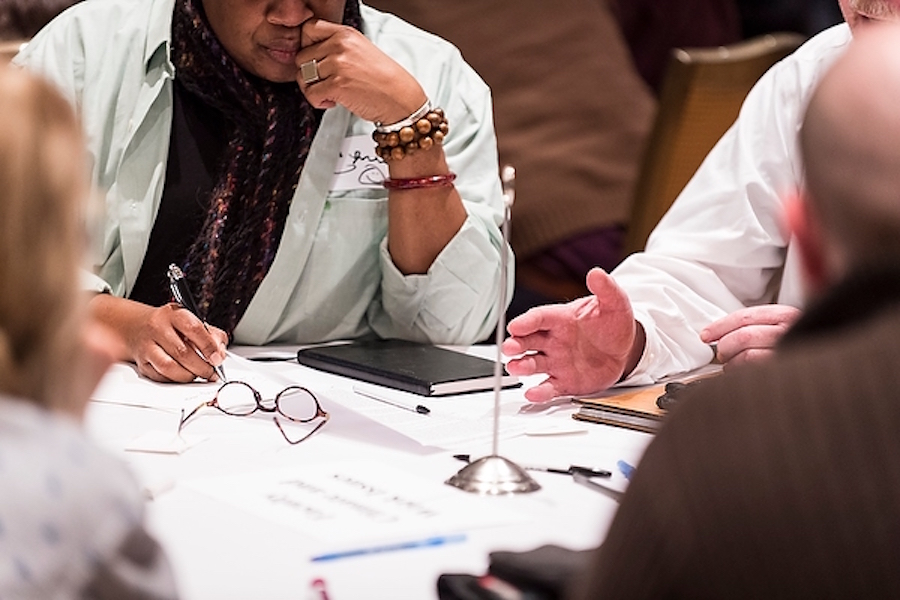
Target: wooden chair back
x=701, y=96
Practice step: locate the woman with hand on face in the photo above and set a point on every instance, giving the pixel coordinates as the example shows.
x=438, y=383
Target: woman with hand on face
x=234, y=139
x=71, y=517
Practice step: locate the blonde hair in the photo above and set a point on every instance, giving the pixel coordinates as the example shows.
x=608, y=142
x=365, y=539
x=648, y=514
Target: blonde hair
x=43, y=182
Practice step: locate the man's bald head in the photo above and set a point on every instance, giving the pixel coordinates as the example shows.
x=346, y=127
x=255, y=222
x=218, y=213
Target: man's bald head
x=850, y=142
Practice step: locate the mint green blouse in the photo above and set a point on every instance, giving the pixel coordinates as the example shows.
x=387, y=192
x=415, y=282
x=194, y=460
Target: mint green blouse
x=332, y=277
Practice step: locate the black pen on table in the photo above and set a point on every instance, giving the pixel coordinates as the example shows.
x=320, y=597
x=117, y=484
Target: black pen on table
x=571, y=470
x=416, y=408
x=182, y=293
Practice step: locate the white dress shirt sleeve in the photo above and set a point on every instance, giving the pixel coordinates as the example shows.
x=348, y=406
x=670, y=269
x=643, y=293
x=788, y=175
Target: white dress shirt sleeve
x=722, y=245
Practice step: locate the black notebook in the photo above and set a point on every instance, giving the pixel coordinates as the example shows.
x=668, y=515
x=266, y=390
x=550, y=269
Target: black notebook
x=418, y=368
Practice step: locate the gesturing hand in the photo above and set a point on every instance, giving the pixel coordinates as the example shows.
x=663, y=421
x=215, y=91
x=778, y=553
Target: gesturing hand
x=583, y=346
x=749, y=334
x=356, y=74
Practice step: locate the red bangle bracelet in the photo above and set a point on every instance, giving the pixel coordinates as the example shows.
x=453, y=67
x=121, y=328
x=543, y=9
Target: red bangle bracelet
x=420, y=182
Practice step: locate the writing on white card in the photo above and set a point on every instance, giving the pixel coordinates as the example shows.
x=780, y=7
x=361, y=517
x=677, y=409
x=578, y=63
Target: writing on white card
x=358, y=167
x=349, y=503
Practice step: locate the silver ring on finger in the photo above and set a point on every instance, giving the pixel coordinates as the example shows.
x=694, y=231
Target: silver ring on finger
x=309, y=72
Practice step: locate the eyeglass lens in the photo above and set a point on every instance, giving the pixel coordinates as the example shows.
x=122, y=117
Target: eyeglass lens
x=239, y=399
x=236, y=398
x=297, y=404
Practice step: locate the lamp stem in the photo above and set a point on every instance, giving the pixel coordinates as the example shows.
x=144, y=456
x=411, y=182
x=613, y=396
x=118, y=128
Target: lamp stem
x=508, y=180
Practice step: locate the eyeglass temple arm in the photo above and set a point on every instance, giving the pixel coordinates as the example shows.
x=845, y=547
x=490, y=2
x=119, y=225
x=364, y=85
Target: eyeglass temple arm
x=321, y=413
x=186, y=418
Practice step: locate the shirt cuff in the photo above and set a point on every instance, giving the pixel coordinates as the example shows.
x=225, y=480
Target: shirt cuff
x=447, y=294
x=93, y=283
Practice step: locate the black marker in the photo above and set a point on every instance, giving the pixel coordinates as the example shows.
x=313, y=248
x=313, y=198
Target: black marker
x=572, y=470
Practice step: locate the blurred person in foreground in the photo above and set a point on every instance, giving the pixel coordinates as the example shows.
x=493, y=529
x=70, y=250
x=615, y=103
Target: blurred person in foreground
x=234, y=139
x=782, y=479
x=719, y=276
x=71, y=516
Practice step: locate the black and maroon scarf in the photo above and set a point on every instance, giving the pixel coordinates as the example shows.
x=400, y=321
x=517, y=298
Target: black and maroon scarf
x=274, y=126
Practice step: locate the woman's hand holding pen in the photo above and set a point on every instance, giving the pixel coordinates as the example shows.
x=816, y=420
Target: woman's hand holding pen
x=168, y=343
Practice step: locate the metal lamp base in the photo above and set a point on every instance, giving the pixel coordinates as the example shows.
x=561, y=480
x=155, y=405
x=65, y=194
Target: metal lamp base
x=494, y=476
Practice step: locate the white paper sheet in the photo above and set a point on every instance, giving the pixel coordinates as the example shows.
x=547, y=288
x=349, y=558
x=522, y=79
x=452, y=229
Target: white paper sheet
x=123, y=385
x=342, y=506
x=448, y=425
x=455, y=422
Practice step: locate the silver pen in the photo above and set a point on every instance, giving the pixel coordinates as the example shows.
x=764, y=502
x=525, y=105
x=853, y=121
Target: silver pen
x=570, y=470
x=416, y=408
x=182, y=293
x=587, y=480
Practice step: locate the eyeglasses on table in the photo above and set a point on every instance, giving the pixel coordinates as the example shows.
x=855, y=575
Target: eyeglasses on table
x=240, y=399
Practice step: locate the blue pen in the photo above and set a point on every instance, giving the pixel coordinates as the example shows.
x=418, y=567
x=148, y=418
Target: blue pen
x=424, y=543
x=625, y=469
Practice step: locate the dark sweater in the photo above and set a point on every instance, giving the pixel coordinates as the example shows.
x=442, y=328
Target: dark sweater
x=780, y=480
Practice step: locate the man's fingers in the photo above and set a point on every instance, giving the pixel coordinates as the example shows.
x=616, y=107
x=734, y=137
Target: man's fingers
x=522, y=366
x=545, y=318
x=512, y=346
x=606, y=296
x=543, y=392
x=766, y=314
x=752, y=355
x=755, y=337
x=599, y=282
x=717, y=329
x=528, y=322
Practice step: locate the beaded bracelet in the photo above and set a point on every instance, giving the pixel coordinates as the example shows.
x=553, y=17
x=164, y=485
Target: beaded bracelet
x=416, y=183
x=418, y=132
x=407, y=122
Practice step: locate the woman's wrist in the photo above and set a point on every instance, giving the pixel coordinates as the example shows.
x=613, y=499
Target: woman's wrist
x=416, y=183
x=422, y=131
